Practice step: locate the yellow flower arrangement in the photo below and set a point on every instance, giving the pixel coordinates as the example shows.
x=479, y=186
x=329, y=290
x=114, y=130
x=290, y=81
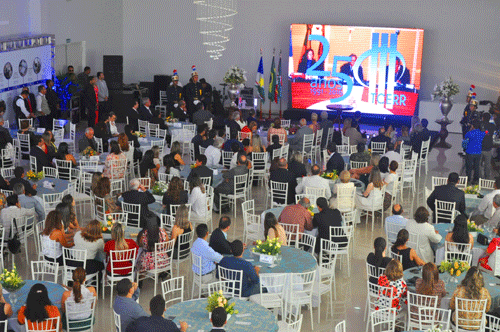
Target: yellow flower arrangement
x=10, y=280
x=455, y=267
x=139, y=134
x=218, y=299
x=89, y=152
x=330, y=176
x=35, y=176
x=472, y=227
x=270, y=247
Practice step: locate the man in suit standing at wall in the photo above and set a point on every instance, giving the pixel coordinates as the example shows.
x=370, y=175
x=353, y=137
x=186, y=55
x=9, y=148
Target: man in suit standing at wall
x=448, y=193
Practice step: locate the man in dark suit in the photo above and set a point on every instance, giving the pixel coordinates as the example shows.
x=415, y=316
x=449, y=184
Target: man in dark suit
x=200, y=138
x=42, y=159
x=218, y=319
x=90, y=101
x=449, y=193
x=174, y=93
x=284, y=176
x=227, y=185
x=29, y=189
x=147, y=113
x=155, y=322
x=201, y=169
x=181, y=112
x=133, y=115
x=218, y=239
x=325, y=124
x=401, y=75
x=380, y=138
x=335, y=161
x=325, y=219
x=88, y=140
x=347, y=68
x=201, y=115
x=139, y=195
x=53, y=100
x=5, y=136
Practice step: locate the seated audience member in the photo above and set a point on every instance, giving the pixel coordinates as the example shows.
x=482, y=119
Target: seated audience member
x=78, y=295
x=126, y=303
x=155, y=322
x=389, y=180
x=252, y=118
x=276, y=130
x=345, y=181
x=182, y=226
x=209, y=257
x=37, y=309
x=361, y=155
x=175, y=194
x=63, y=154
x=430, y=284
x=362, y=173
x=126, y=148
x=213, y=153
x=274, y=230
x=494, y=221
x=198, y=199
x=5, y=311
x=218, y=239
x=14, y=211
x=130, y=133
x=113, y=159
x=378, y=258
x=373, y=193
x=314, y=181
x=355, y=137
x=42, y=158
x=19, y=178
x=235, y=148
x=200, y=138
x=485, y=209
x=380, y=138
x=227, y=185
x=393, y=278
x=111, y=125
x=404, y=138
x=118, y=242
x=90, y=239
x=4, y=184
x=139, y=195
x=396, y=219
x=325, y=219
x=169, y=166
x=460, y=232
x=201, y=169
x=256, y=142
x=296, y=165
x=283, y=175
x=276, y=145
x=335, y=160
x=427, y=235
x=449, y=193
x=53, y=238
x=29, y=202
x=392, y=154
x=101, y=131
x=218, y=319
x=70, y=218
x=297, y=142
x=96, y=176
x=88, y=140
x=250, y=283
x=297, y=214
x=314, y=123
x=147, y=239
x=176, y=153
x=409, y=256
x=103, y=190
x=383, y=166
x=147, y=167
x=471, y=288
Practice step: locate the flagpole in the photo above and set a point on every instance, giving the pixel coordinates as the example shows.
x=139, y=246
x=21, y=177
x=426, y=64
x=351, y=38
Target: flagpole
x=260, y=97
x=270, y=100
x=281, y=87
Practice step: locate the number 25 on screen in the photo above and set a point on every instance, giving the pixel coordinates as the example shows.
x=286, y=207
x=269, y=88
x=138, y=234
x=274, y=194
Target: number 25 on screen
x=313, y=72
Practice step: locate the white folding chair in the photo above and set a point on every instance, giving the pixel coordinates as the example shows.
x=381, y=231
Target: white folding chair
x=424, y=156
x=44, y=270
x=416, y=301
x=173, y=290
x=197, y=262
x=33, y=164
x=285, y=123
x=63, y=168
x=259, y=163
x=47, y=325
x=345, y=199
x=358, y=164
x=8, y=156
x=301, y=290
x=445, y=211
x=340, y=327
x=239, y=192
x=234, y=287
x=307, y=146
x=99, y=143
x=292, y=233
x=252, y=227
x=162, y=262
x=122, y=267
x=343, y=150
x=408, y=176
x=306, y=241
x=279, y=193
x=391, y=231
x=50, y=201
x=326, y=281
x=372, y=273
x=89, y=165
x=242, y=135
x=438, y=181
x=469, y=314
x=316, y=192
x=343, y=236
x=50, y=172
x=133, y=212
x=275, y=284
x=316, y=149
x=428, y=318
x=493, y=323
x=383, y=320
x=369, y=211
x=143, y=127
x=7, y=172
x=292, y=318
x=25, y=145
x=86, y=308
x=226, y=158
x=485, y=184
x=184, y=242
x=396, y=256
x=378, y=147
x=457, y=251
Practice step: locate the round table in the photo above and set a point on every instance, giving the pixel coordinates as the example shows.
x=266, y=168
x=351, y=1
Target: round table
x=194, y=313
x=491, y=283
x=58, y=186
x=293, y=261
x=100, y=164
x=217, y=178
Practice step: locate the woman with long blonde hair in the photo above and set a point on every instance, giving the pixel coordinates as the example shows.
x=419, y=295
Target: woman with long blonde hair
x=182, y=226
x=118, y=242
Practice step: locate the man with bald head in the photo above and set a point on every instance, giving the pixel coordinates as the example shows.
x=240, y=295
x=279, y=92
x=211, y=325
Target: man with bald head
x=227, y=185
x=296, y=142
x=283, y=175
x=88, y=140
x=297, y=214
x=396, y=219
x=314, y=181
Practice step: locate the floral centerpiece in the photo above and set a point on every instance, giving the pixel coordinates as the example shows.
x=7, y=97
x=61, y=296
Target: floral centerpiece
x=455, y=267
x=472, y=190
x=159, y=188
x=330, y=175
x=473, y=228
x=35, y=176
x=139, y=134
x=270, y=249
x=310, y=209
x=236, y=75
x=10, y=280
x=171, y=118
x=293, y=129
x=109, y=223
x=218, y=299
x=445, y=89
x=89, y=152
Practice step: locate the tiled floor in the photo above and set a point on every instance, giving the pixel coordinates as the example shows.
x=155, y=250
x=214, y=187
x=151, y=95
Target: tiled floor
x=351, y=290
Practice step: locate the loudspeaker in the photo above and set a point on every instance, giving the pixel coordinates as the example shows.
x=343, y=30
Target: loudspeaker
x=113, y=71
x=161, y=83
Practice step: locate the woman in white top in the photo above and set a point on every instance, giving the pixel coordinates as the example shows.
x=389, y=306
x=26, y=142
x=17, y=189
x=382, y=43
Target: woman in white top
x=126, y=148
x=77, y=296
x=90, y=239
x=372, y=197
x=389, y=182
x=426, y=234
x=197, y=199
x=345, y=182
x=53, y=238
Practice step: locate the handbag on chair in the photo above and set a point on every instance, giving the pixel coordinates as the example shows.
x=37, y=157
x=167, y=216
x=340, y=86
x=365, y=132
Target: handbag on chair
x=14, y=244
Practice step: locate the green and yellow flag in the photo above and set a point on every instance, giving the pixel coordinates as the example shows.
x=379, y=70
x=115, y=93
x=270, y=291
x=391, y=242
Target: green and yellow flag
x=272, y=83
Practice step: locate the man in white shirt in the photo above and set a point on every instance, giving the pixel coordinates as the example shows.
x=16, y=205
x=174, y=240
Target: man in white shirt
x=314, y=181
x=102, y=93
x=20, y=106
x=397, y=220
x=391, y=154
x=494, y=221
x=42, y=108
x=111, y=124
x=213, y=153
x=14, y=210
x=485, y=209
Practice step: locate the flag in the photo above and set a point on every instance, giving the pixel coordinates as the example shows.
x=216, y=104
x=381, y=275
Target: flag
x=290, y=55
x=278, y=83
x=272, y=83
x=259, y=80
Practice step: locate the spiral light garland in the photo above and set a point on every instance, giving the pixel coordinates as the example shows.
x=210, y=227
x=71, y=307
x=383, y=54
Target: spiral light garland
x=216, y=20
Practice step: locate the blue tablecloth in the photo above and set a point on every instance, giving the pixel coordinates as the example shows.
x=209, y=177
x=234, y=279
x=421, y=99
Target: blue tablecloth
x=186, y=169
x=194, y=313
x=491, y=283
x=293, y=261
x=472, y=202
x=55, y=294
x=102, y=157
x=444, y=229
x=59, y=186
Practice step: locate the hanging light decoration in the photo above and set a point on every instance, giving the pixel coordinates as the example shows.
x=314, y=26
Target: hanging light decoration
x=216, y=20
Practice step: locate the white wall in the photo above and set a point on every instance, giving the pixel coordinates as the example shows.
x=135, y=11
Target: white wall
x=12, y=11
x=459, y=38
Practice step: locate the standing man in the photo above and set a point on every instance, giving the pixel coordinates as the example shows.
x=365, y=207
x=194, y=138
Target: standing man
x=133, y=115
x=21, y=108
x=487, y=149
x=192, y=93
x=83, y=78
x=90, y=96
x=206, y=94
x=174, y=93
x=473, y=152
x=102, y=94
x=31, y=99
x=53, y=100
x=469, y=116
x=43, y=109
